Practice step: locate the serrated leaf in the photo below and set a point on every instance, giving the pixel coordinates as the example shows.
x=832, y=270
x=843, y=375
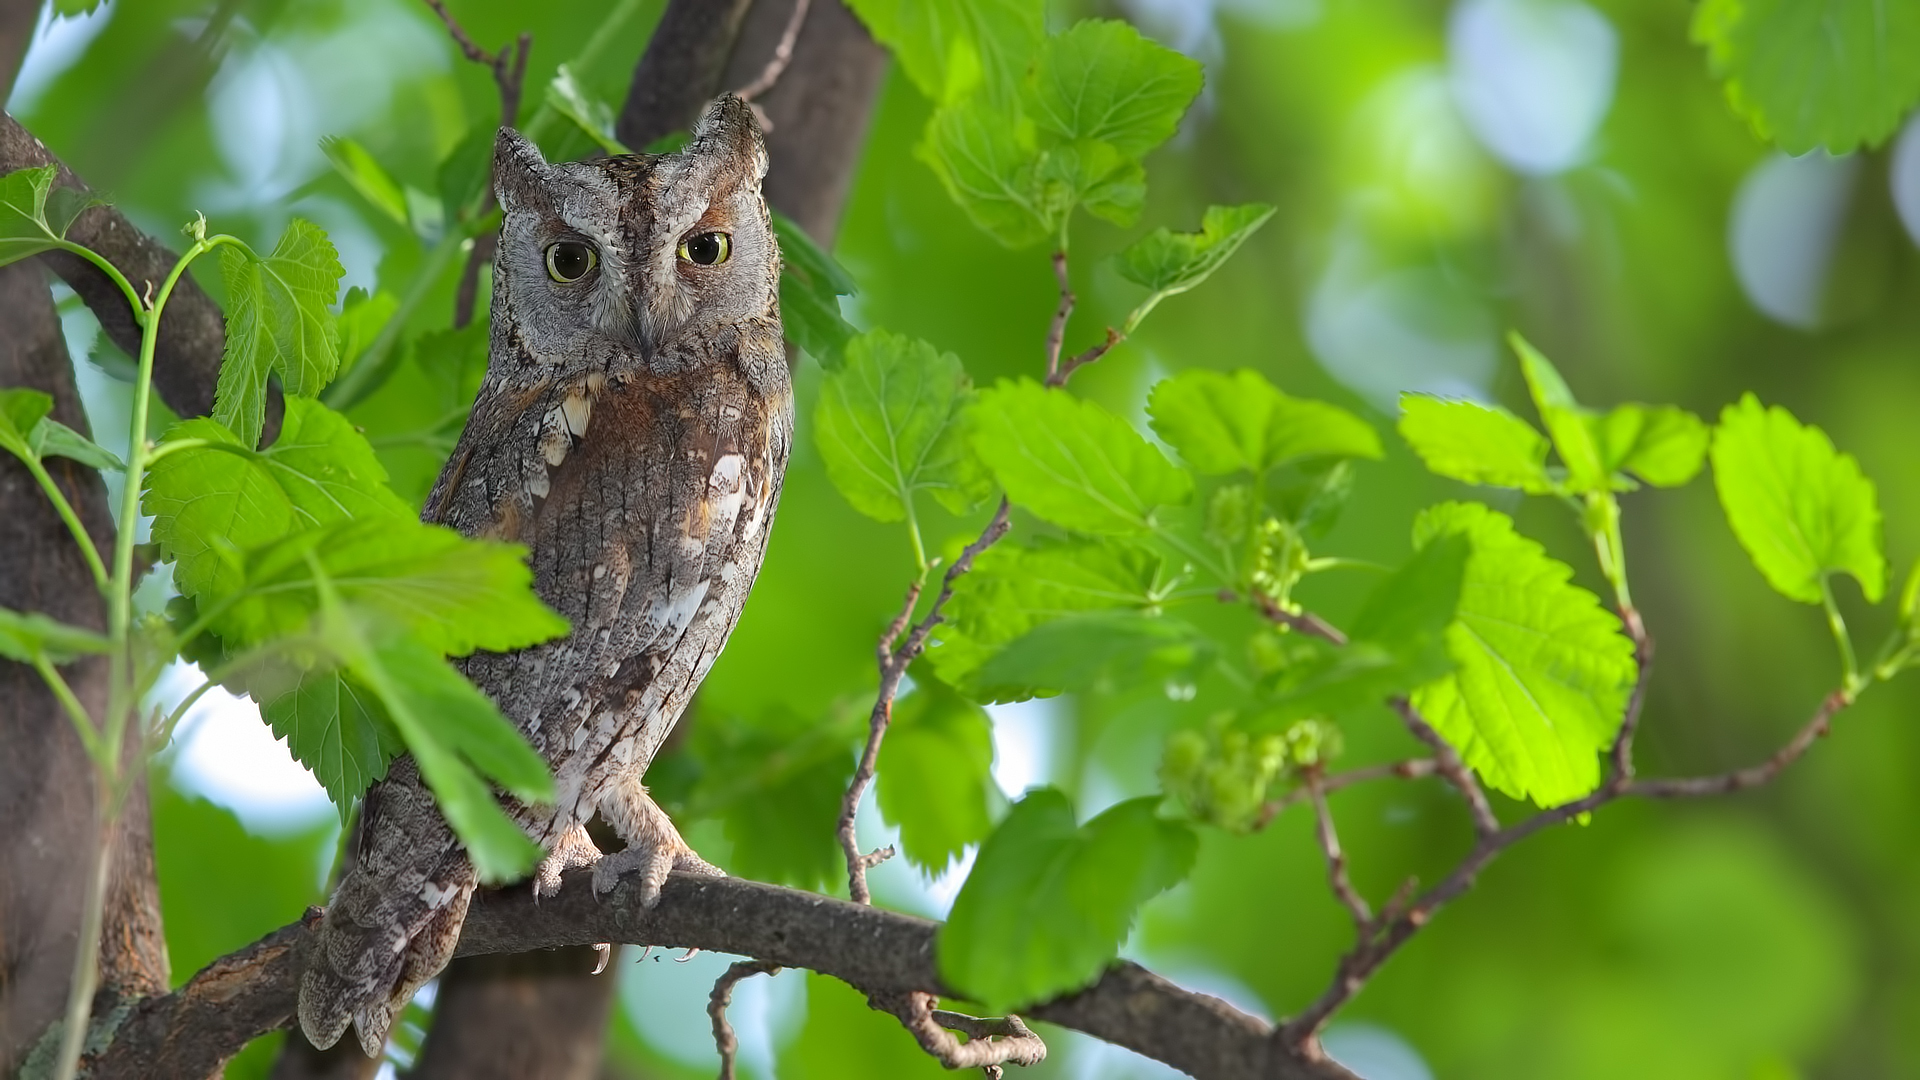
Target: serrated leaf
x=335, y=729
x=211, y=503
x=1102, y=80
x=988, y=161
x=25, y=635
x=1048, y=903
x=811, y=285
x=449, y=593
x=1480, y=444
x=366, y=176
x=1802, y=509
x=1815, y=73
x=951, y=48
x=567, y=96
x=1169, y=263
x=1014, y=588
x=1658, y=444
x=1097, y=650
x=1224, y=423
x=1072, y=462
x=1570, y=425
x=936, y=775
x=1542, y=670
x=280, y=322
x=888, y=424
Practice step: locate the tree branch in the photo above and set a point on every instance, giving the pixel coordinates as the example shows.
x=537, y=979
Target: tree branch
x=724, y=1039
x=191, y=1031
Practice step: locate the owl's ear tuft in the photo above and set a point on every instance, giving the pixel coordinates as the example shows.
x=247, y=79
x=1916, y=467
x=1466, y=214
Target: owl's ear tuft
x=729, y=131
x=518, y=168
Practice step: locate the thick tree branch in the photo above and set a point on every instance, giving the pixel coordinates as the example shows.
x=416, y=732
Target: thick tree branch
x=239, y=997
x=192, y=333
x=681, y=69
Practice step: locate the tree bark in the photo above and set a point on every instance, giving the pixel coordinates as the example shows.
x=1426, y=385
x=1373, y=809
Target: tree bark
x=46, y=779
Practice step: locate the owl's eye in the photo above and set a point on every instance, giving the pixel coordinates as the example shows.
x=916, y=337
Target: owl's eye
x=707, y=249
x=569, y=260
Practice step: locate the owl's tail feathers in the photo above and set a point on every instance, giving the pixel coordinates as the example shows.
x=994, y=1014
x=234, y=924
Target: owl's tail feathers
x=365, y=976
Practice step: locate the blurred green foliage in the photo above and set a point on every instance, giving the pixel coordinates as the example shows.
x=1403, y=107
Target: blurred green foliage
x=1760, y=936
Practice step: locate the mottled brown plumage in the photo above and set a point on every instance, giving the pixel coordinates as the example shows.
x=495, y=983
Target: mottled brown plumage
x=632, y=431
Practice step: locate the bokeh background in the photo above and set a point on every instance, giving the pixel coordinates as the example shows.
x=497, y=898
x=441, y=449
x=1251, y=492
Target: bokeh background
x=1444, y=172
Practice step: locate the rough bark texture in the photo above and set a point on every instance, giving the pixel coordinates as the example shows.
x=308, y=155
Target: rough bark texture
x=46, y=781
x=819, y=109
x=191, y=1031
x=681, y=70
x=16, y=29
x=192, y=334
x=547, y=1011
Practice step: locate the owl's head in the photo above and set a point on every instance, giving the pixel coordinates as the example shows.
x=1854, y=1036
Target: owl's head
x=636, y=254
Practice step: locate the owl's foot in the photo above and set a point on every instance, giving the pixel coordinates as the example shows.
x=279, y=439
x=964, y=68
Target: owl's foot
x=574, y=848
x=654, y=847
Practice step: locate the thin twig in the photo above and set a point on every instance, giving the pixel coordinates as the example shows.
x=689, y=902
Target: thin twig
x=991, y=1042
x=782, y=56
x=1337, y=878
x=1359, y=964
x=723, y=1037
x=1093, y=352
x=1620, y=757
x=1485, y=822
x=1411, y=769
x=893, y=661
x=1057, y=330
x=1303, y=622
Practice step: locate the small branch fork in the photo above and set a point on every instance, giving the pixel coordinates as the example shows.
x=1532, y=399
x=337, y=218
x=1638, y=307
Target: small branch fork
x=777, y=66
x=723, y=1036
x=1058, y=373
x=990, y=1043
x=1378, y=937
x=509, y=69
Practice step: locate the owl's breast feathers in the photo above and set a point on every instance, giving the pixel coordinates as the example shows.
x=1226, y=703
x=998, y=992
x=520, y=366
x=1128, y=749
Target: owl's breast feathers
x=646, y=502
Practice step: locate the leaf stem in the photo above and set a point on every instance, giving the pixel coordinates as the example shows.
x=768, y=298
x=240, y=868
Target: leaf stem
x=82, y=723
x=140, y=315
x=86, y=971
x=1849, y=666
x=65, y=509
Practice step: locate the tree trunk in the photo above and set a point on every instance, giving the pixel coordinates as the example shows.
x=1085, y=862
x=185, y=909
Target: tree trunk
x=545, y=1014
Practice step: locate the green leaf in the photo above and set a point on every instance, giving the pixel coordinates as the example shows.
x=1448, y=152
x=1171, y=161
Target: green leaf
x=935, y=780
x=21, y=412
x=1101, y=80
x=34, y=214
x=1570, y=425
x=455, y=734
x=811, y=285
x=338, y=730
x=362, y=317
x=1815, y=73
x=1014, y=588
x=1397, y=643
x=951, y=48
x=1802, y=509
x=25, y=635
x=51, y=438
x=1098, y=650
x=1168, y=263
x=1658, y=444
x=1479, y=444
x=1240, y=422
x=366, y=176
x=775, y=784
x=988, y=161
x=449, y=593
x=279, y=322
x=889, y=424
x=1543, y=671
x=566, y=96
x=1072, y=462
x=1048, y=903
x=211, y=503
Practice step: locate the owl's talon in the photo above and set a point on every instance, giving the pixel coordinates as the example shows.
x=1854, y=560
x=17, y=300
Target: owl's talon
x=574, y=848
x=653, y=865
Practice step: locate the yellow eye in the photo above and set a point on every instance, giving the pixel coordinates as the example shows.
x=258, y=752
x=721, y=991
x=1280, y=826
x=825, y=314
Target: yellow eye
x=569, y=260
x=707, y=249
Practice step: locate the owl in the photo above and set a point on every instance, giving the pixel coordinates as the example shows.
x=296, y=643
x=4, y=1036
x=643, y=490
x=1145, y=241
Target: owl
x=632, y=431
